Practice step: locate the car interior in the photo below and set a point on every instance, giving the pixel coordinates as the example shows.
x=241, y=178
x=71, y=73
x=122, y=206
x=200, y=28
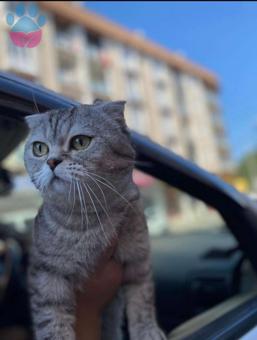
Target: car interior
x=205, y=280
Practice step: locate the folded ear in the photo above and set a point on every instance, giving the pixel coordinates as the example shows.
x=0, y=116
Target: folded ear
x=115, y=110
x=33, y=120
x=98, y=101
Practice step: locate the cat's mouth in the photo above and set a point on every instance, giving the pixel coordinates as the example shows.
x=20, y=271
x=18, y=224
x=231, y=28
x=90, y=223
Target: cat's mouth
x=57, y=178
x=61, y=178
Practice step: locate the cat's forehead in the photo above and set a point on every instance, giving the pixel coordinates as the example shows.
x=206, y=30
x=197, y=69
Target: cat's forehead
x=61, y=122
x=67, y=114
x=98, y=118
x=69, y=117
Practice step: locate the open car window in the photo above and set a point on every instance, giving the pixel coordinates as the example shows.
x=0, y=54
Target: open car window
x=196, y=260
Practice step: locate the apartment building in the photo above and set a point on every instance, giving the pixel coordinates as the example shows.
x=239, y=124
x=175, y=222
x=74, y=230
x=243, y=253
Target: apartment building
x=170, y=99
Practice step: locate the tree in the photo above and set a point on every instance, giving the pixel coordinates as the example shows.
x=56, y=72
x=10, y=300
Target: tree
x=248, y=166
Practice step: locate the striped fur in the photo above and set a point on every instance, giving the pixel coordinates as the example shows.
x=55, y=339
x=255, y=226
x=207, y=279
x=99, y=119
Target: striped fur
x=88, y=200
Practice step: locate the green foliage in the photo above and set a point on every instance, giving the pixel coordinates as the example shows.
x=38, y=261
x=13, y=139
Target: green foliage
x=248, y=166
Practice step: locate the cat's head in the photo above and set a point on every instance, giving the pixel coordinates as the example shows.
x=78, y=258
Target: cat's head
x=77, y=143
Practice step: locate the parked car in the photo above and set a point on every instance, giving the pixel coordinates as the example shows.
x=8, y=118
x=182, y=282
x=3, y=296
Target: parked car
x=193, y=272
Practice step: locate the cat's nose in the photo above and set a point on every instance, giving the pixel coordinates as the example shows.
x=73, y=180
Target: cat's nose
x=53, y=162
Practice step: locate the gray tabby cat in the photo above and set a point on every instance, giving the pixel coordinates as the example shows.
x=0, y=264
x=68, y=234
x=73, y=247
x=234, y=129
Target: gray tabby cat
x=81, y=160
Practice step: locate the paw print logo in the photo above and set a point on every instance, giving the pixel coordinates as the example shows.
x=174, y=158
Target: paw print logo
x=26, y=25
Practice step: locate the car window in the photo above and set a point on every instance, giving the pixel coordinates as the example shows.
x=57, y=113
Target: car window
x=169, y=210
x=184, y=231
x=197, y=261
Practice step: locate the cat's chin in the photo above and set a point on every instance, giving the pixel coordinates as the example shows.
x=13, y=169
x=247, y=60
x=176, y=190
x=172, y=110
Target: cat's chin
x=56, y=189
x=58, y=184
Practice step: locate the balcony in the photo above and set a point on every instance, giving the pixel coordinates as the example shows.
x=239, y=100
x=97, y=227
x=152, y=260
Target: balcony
x=63, y=41
x=93, y=52
x=222, y=142
x=163, y=99
x=160, y=76
x=69, y=84
x=214, y=107
x=22, y=61
x=70, y=90
x=131, y=65
x=68, y=38
x=160, y=72
x=66, y=77
x=134, y=97
x=131, y=60
x=67, y=61
x=67, y=47
x=218, y=125
x=223, y=148
x=99, y=90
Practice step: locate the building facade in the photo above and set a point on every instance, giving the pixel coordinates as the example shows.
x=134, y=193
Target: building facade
x=82, y=55
x=170, y=99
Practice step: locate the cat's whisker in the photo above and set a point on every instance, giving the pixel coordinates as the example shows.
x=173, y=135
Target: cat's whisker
x=69, y=194
x=71, y=187
x=99, y=220
x=81, y=207
x=70, y=191
x=84, y=204
x=35, y=103
x=108, y=216
x=73, y=204
x=99, y=187
x=111, y=187
x=104, y=179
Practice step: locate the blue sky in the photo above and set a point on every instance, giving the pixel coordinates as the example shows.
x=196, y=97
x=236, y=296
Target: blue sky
x=221, y=36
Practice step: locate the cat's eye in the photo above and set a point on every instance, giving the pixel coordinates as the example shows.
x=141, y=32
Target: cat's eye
x=40, y=149
x=80, y=142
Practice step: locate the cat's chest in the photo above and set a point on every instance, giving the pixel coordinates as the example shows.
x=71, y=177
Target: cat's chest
x=74, y=253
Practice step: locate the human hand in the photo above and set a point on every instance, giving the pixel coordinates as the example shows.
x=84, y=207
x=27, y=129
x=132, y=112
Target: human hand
x=99, y=291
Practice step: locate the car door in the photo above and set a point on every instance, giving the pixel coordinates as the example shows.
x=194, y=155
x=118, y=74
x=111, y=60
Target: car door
x=18, y=98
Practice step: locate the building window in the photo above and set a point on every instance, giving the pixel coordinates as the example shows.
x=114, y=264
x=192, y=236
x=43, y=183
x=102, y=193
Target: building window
x=170, y=141
x=22, y=60
x=128, y=53
x=63, y=36
x=166, y=127
x=67, y=66
x=160, y=71
x=132, y=88
x=158, y=67
x=65, y=39
x=97, y=69
x=166, y=113
x=131, y=61
x=162, y=97
x=191, y=154
x=138, y=118
x=179, y=92
x=212, y=101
